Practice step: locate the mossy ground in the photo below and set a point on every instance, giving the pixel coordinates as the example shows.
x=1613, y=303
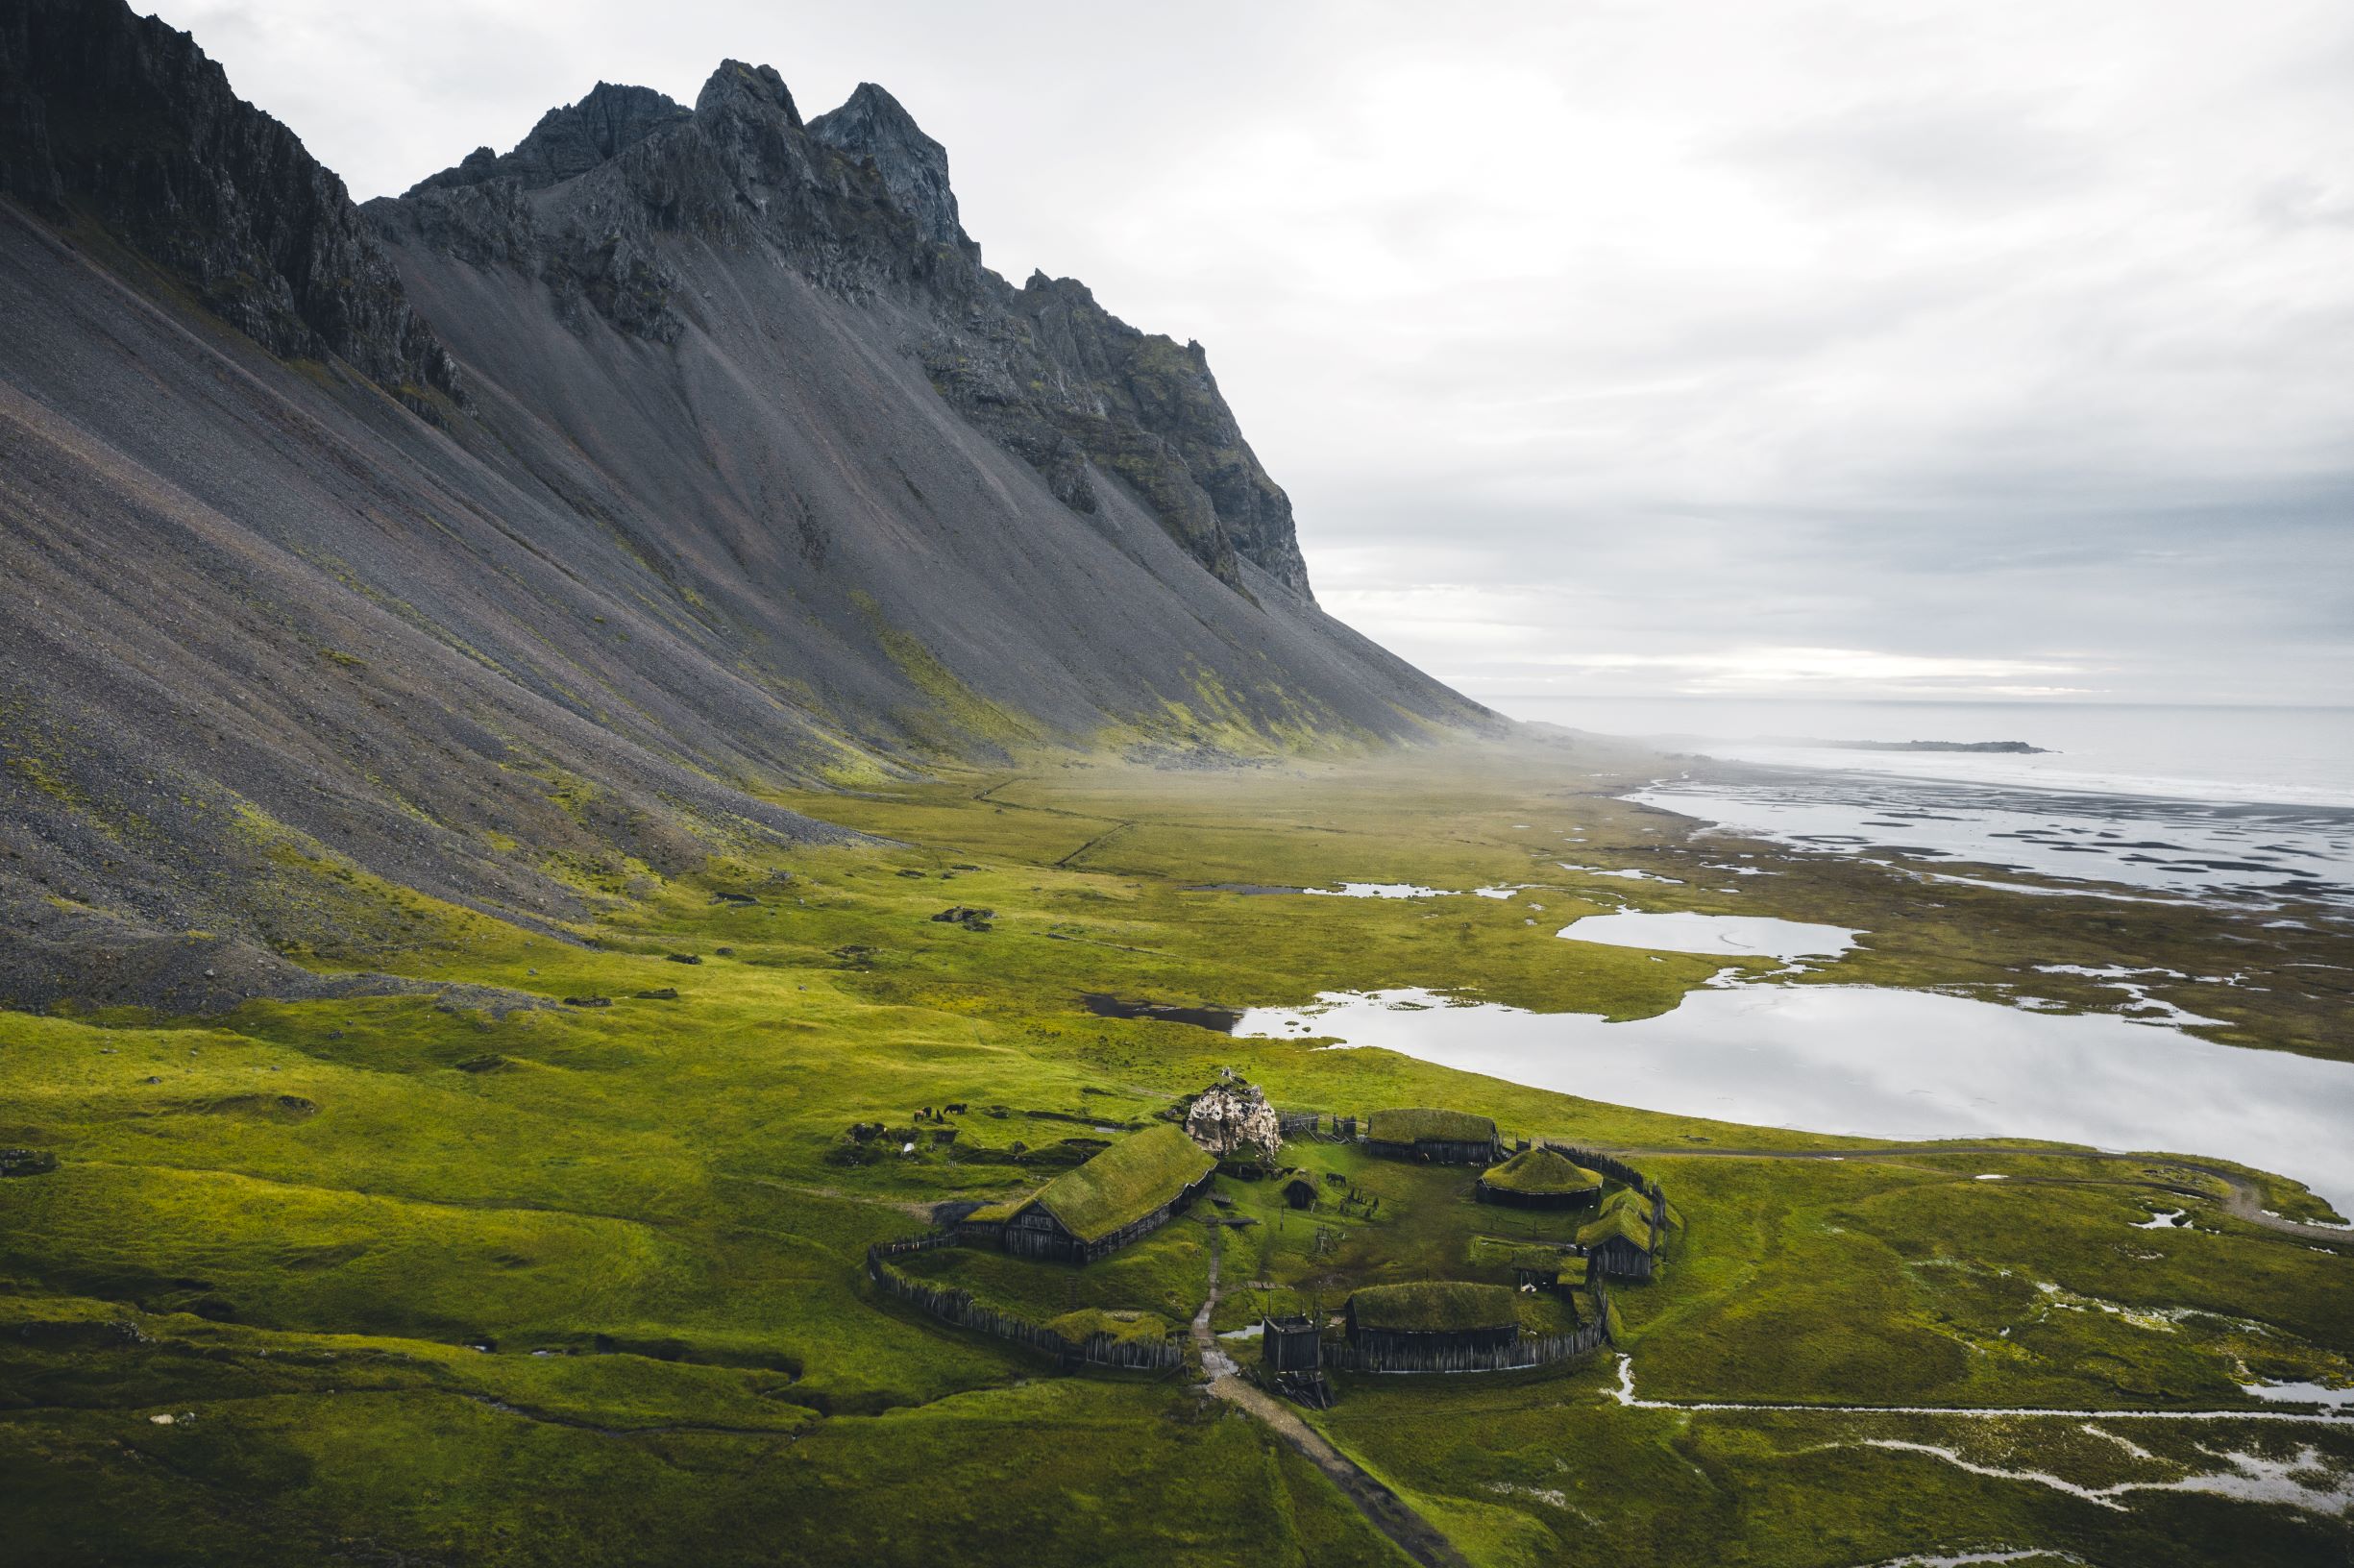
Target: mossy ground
x=646, y=1214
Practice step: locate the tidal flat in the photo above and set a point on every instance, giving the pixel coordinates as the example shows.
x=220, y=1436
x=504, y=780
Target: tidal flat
x=2163, y=847
x=509, y=1284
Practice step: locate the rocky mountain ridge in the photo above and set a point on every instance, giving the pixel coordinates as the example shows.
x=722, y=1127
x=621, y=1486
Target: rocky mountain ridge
x=510, y=547
x=123, y=120
x=567, y=141
x=859, y=200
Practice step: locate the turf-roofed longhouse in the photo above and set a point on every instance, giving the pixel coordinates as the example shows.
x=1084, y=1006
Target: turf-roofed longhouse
x=1433, y=1314
x=1540, y=1178
x=1443, y=1138
x=1128, y=1190
x=1621, y=1242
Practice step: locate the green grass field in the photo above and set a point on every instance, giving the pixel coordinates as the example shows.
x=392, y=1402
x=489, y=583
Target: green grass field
x=417, y=1282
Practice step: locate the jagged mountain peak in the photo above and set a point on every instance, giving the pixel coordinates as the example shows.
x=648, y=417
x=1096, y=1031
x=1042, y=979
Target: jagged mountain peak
x=872, y=124
x=858, y=202
x=873, y=102
x=737, y=85
x=569, y=140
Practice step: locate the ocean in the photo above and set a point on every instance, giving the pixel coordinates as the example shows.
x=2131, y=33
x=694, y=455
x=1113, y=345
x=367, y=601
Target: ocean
x=2263, y=755
x=2236, y=804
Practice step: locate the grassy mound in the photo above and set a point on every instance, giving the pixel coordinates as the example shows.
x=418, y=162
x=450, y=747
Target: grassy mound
x=1541, y=1171
x=1129, y=1328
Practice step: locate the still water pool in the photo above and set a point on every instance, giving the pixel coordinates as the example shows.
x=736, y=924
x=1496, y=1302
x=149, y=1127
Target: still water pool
x=1875, y=1063
x=1730, y=935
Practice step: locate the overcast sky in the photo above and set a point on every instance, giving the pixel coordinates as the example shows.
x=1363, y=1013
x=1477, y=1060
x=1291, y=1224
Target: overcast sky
x=1761, y=347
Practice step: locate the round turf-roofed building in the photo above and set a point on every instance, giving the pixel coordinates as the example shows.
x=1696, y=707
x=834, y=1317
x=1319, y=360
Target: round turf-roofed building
x=1540, y=1178
x=1439, y=1137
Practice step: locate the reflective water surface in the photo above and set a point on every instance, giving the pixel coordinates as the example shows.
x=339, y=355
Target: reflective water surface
x=1886, y=1064
x=1732, y=935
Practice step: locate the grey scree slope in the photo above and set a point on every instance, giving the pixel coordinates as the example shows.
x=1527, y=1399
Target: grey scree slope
x=559, y=503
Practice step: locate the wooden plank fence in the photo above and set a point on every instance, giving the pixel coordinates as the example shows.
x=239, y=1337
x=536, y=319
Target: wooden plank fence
x=1543, y=1350
x=957, y=1307
x=1540, y=1351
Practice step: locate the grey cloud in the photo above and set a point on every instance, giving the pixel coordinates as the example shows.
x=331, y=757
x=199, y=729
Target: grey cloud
x=1984, y=333
x=1993, y=150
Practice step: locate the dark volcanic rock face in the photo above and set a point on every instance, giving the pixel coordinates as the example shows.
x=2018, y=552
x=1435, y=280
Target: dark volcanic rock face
x=914, y=167
x=124, y=118
x=760, y=480
x=859, y=201
x=568, y=142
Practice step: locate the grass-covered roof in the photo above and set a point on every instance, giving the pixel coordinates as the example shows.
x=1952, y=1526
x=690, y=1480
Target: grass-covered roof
x=1435, y=1307
x=1416, y=1125
x=1125, y=1182
x=1003, y=1210
x=1629, y=1200
x=1129, y=1328
x=1541, y=1171
x=1632, y=1221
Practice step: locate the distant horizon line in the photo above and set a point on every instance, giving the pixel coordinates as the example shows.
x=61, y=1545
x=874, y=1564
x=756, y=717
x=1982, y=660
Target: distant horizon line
x=1491, y=699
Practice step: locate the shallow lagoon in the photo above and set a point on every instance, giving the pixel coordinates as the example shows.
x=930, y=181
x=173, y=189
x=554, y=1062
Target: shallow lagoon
x=1897, y=1065
x=2303, y=1393
x=1729, y=935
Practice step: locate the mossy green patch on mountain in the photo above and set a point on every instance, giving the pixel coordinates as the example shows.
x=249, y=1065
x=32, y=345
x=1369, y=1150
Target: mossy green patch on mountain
x=965, y=712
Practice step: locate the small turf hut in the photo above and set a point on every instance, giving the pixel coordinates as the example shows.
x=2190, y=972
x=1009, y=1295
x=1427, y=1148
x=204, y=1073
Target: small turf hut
x=1430, y=1315
x=1540, y=1178
x=1091, y=1211
x=1540, y=1268
x=1618, y=1241
x=1442, y=1138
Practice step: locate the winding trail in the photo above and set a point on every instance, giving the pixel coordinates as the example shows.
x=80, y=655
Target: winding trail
x=1385, y=1509
x=1119, y=824
x=2242, y=1199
